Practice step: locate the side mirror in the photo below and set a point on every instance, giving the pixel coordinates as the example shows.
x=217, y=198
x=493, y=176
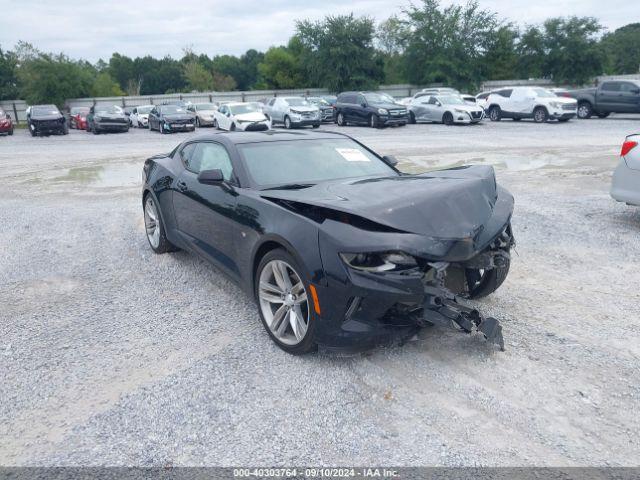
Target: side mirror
x=635, y=91
x=228, y=114
x=363, y=105
x=211, y=177
x=438, y=104
x=390, y=160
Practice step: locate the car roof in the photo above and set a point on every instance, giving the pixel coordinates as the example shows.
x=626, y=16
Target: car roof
x=239, y=138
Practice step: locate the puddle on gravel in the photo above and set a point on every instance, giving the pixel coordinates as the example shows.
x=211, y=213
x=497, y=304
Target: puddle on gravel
x=101, y=176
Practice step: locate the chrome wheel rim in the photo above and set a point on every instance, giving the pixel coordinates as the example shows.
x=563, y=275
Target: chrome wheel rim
x=283, y=302
x=287, y=122
x=583, y=111
x=152, y=222
x=539, y=116
x=340, y=119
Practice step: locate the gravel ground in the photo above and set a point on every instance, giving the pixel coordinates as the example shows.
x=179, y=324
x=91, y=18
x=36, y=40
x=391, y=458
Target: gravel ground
x=111, y=355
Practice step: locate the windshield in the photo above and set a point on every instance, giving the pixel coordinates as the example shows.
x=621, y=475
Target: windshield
x=309, y=161
x=317, y=101
x=45, y=110
x=244, y=108
x=450, y=100
x=107, y=109
x=379, y=98
x=543, y=93
x=205, y=106
x=146, y=109
x=77, y=110
x=171, y=109
x=297, y=102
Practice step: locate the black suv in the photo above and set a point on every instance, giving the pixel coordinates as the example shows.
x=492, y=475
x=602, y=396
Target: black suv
x=369, y=108
x=46, y=119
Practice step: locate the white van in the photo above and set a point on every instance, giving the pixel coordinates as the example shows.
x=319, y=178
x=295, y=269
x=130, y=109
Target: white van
x=529, y=102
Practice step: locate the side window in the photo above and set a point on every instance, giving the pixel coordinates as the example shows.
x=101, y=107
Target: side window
x=272, y=101
x=506, y=93
x=611, y=86
x=223, y=109
x=432, y=101
x=211, y=156
x=187, y=156
x=360, y=100
x=628, y=87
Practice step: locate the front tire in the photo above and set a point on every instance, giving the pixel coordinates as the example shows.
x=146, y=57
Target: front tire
x=287, y=123
x=284, y=303
x=447, y=118
x=584, y=110
x=341, y=121
x=154, y=228
x=374, y=121
x=483, y=283
x=540, y=115
x=11, y=131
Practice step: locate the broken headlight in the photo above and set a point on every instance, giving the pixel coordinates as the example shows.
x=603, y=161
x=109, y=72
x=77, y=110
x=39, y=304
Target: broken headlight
x=379, y=261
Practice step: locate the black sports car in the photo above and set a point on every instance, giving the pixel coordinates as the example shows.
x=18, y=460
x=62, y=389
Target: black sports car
x=45, y=120
x=338, y=247
x=171, y=118
x=107, y=118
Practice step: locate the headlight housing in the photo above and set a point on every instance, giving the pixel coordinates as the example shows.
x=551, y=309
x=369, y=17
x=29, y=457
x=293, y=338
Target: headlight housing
x=383, y=111
x=459, y=110
x=555, y=105
x=377, y=262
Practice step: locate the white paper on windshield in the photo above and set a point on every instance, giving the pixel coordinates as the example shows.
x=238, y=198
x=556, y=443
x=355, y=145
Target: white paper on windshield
x=352, y=155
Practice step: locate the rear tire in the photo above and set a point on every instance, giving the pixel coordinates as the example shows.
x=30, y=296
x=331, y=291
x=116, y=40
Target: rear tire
x=495, y=114
x=154, y=228
x=584, y=110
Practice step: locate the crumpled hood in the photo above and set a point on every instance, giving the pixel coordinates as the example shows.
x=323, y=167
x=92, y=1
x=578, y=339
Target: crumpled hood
x=446, y=204
x=304, y=108
x=251, y=117
x=467, y=107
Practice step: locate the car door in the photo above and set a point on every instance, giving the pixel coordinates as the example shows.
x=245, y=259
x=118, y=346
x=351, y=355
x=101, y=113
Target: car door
x=609, y=97
x=629, y=97
x=360, y=114
x=206, y=214
x=430, y=104
x=223, y=117
x=521, y=101
x=153, y=119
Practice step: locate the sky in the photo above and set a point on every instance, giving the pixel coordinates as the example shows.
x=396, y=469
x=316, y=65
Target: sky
x=93, y=29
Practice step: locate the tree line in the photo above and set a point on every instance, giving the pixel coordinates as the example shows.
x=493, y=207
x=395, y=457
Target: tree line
x=425, y=43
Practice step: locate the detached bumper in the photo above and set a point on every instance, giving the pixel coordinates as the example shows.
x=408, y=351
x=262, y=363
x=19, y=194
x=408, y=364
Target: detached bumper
x=625, y=186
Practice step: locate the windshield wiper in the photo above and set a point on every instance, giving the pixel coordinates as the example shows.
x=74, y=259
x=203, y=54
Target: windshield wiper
x=291, y=186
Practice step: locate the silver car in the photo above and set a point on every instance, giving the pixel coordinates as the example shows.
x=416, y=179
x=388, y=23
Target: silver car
x=626, y=178
x=204, y=113
x=447, y=109
x=292, y=112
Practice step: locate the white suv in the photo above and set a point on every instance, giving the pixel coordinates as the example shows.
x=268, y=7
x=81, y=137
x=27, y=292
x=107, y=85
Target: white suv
x=529, y=102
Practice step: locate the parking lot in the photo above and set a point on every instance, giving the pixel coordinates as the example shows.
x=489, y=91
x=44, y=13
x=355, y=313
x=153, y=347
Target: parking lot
x=113, y=355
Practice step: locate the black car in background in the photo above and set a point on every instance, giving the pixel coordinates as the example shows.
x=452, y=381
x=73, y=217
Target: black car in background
x=107, y=118
x=45, y=120
x=369, y=108
x=171, y=118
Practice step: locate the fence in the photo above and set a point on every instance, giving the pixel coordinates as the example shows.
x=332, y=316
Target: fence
x=398, y=91
x=16, y=108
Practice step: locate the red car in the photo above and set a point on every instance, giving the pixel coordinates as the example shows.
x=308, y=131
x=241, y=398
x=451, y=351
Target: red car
x=78, y=118
x=6, y=125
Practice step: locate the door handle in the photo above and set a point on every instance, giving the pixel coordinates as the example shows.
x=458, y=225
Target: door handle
x=182, y=186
